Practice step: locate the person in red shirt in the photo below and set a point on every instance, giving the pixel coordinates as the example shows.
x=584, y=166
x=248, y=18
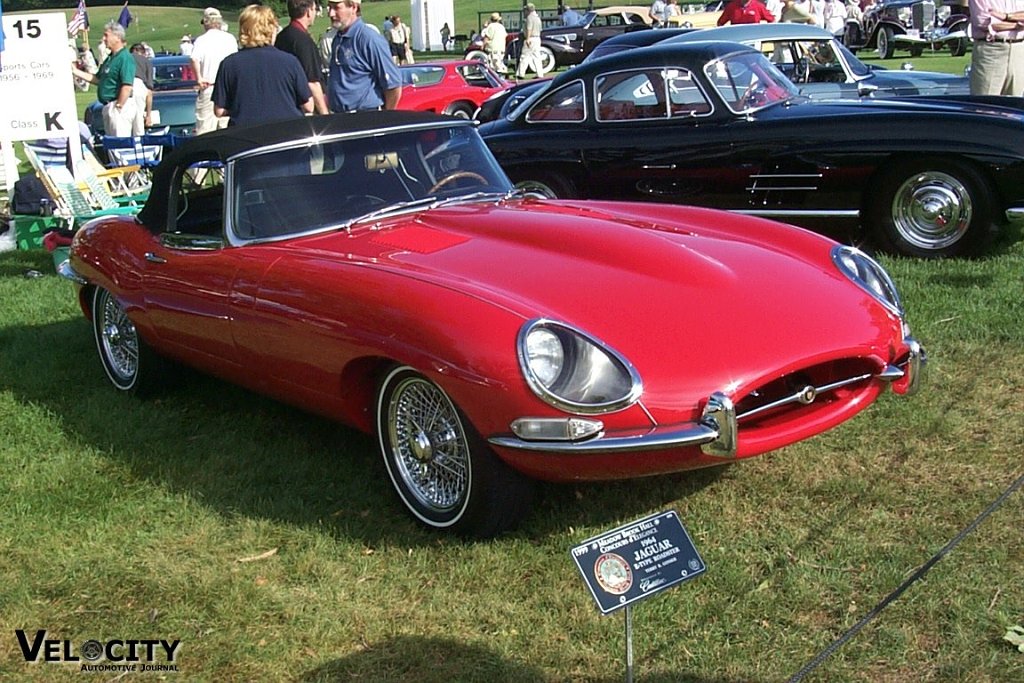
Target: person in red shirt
x=745, y=12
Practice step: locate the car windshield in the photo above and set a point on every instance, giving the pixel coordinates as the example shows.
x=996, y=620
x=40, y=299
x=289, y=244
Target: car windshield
x=173, y=75
x=747, y=82
x=329, y=183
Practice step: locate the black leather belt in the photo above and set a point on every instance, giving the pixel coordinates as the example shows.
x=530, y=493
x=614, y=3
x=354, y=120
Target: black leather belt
x=997, y=39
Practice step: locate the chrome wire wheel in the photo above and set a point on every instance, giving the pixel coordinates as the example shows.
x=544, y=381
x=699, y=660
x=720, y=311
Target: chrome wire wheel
x=116, y=339
x=932, y=210
x=426, y=449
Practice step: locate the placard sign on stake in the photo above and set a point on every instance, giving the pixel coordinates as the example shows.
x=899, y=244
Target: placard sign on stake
x=634, y=562
x=637, y=560
x=36, y=85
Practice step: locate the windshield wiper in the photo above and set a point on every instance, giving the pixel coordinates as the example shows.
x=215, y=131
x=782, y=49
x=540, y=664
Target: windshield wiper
x=473, y=197
x=398, y=207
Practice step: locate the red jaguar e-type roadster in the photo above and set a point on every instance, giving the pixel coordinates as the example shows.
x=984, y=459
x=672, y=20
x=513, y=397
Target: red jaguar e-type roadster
x=381, y=269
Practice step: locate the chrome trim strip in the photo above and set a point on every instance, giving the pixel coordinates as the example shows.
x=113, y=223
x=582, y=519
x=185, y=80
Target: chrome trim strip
x=799, y=213
x=1015, y=214
x=672, y=437
x=781, y=188
x=806, y=395
x=67, y=272
x=786, y=175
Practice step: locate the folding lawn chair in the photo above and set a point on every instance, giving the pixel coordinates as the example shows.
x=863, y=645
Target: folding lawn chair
x=140, y=151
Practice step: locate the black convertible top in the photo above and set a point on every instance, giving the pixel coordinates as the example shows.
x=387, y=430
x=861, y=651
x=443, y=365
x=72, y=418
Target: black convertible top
x=222, y=145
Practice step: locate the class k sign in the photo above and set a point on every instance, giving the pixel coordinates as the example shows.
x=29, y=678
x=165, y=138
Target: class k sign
x=637, y=560
x=36, y=85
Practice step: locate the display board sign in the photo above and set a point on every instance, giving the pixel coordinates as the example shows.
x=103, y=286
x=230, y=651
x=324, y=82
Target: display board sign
x=36, y=85
x=637, y=560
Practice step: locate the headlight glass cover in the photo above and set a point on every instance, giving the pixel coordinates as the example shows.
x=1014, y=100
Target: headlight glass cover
x=573, y=371
x=867, y=274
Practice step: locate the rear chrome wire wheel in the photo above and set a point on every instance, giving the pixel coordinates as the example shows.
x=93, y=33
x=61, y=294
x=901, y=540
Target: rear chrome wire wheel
x=932, y=210
x=117, y=340
x=425, y=449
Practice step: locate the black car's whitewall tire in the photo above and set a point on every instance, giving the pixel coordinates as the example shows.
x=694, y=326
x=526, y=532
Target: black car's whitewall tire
x=933, y=209
x=443, y=472
x=130, y=364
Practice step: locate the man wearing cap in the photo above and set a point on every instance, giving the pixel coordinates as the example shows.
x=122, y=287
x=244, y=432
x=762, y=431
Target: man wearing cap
x=362, y=75
x=208, y=51
x=530, y=58
x=494, y=43
x=295, y=39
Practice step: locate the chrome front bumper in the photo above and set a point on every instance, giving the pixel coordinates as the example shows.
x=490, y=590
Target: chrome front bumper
x=65, y=270
x=716, y=433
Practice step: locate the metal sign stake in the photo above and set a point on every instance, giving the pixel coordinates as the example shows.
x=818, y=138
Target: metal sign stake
x=629, y=644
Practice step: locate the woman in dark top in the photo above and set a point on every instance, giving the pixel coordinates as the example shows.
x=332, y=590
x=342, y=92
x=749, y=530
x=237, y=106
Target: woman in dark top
x=260, y=83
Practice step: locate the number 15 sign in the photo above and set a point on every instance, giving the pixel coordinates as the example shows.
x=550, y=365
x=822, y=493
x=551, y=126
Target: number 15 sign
x=36, y=86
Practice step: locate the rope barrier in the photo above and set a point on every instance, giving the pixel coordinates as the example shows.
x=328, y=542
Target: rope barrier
x=917, y=575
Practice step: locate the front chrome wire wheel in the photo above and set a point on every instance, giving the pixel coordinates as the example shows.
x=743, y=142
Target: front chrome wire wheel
x=429, y=446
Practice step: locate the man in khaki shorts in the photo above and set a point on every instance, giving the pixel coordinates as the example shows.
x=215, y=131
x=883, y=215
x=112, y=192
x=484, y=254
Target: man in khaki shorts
x=208, y=51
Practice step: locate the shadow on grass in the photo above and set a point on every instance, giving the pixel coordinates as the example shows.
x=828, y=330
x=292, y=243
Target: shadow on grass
x=242, y=454
x=426, y=660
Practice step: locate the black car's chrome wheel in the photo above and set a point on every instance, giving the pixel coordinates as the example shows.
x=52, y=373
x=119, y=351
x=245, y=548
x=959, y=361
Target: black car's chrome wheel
x=129, y=363
x=935, y=209
x=444, y=474
x=549, y=185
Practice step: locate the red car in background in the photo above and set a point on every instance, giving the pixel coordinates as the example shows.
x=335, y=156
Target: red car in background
x=454, y=88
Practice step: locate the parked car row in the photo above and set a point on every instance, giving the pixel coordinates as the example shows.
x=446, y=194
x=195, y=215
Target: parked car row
x=718, y=124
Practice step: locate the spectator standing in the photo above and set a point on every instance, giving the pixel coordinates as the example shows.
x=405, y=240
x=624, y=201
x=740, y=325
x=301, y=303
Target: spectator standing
x=494, y=36
x=745, y=12
x=295, y=39
x=86, y=61
x=571, y=17
x=185, y=46
x=208, y=51
x=142, y=89
x=446, y=36
x=529, y=57
x=113, y=82
x=362, y=73
x=657, y=13
x=835, y=17
x=398, y=37
x=260, y=83
x=796, y=13
x=997, y=56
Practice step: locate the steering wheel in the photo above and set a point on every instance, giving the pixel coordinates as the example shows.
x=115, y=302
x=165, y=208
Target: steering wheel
x=457, y=175
x=752, y=96
x=802, y=70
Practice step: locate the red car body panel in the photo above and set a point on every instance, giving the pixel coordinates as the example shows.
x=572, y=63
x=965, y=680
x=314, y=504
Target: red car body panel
x=697, y=300
x=449, y=86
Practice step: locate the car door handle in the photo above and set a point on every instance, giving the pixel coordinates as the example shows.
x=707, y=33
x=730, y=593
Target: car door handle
x=655, y=167
x=153, y=258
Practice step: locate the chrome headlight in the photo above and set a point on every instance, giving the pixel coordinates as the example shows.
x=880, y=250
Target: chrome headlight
x=903, y=14
x=574, y=371
x=867, y=274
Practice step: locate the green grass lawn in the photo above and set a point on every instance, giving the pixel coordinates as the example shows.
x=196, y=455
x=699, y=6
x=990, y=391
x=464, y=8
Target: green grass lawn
x=270, y=544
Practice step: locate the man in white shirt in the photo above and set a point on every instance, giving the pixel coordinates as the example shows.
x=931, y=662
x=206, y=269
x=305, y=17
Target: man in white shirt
x=208, y=51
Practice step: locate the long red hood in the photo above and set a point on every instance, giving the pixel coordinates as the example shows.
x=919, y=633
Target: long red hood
x=692, y=307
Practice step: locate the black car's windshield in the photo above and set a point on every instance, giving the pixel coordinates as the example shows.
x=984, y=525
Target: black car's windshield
x=330, y=183
x=747, y=82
